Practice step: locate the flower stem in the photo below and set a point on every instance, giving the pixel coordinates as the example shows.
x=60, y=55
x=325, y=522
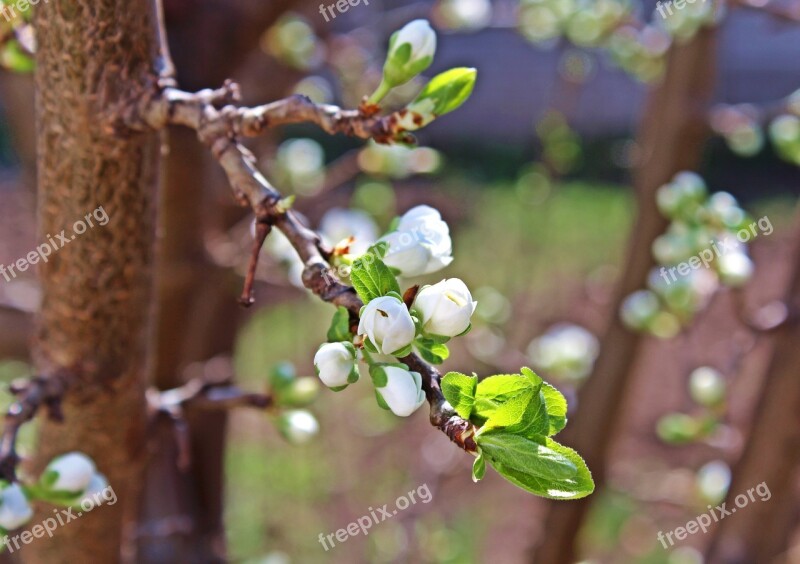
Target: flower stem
x=380, y=92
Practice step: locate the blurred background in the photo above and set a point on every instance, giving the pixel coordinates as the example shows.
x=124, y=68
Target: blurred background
x=558, y=181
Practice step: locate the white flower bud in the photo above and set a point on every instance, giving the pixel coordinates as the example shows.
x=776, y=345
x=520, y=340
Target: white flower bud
x=93, y=495
x=74, y=472
x=14, y=508
x=387, y=324
x=707, y=386
x=399, y=388
x=735, y=269
x=298, y=426
x=411, y=51
x=336, y=364
x=445, y=308
x=338, y=224
x=421, y=244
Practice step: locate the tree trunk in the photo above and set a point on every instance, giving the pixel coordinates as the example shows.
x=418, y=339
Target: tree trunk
x=673, y=132
x=772, y=453
x=97, y=289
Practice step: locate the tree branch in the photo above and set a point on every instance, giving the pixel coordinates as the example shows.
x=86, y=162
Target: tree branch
x=220, y=128
x=41, y=391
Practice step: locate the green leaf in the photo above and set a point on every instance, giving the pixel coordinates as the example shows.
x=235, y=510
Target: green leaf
x=459, y=391
x=524, y=415
x=431, y=351
x=524, y=455
x=495, y=390
x=340, y=326
x=556, y=405
x=381, y=402
x=479, y=468
x=574, y=487
x=372, y=279
x=378, y=375
x=534, y=378
x=449, y=89
x=48, y=478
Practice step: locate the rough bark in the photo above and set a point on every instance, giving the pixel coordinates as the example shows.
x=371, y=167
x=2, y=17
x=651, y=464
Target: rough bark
x=97, y=289
x=771, y=455
x=672, y=135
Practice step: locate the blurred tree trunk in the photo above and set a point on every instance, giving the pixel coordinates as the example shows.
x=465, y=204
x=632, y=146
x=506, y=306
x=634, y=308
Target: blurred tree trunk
x=182, y=513
x=97, y=293
x=772, y=453
x=673, y=132
x=17, y=92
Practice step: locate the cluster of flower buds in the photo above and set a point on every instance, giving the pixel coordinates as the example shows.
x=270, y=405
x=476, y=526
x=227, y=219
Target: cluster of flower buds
x=639, y=50
x=70, y=480
x=707, y=388
x=388, y=328
x=739, y=126
x=583, y=22
x=411, y=51
x=290, y=394
x=704, y=246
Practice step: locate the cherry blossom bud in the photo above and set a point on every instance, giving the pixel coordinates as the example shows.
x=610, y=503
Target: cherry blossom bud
x=387, y=324
x=72, y=472
x=445, y=308
x=336, y=364
x=14, y=508
x=400, y=389
x=298, y=426
x=421, y=244
x=411, y=51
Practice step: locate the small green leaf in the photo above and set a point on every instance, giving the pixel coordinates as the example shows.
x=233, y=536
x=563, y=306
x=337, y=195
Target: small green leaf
x=449, y=89
x=379, y=249
x=574, y=487
x=378, y=375
x=526, y=456
x=48, y=478
x=459, y=391
x=479, y=468
x=556, y=405
x=431, y=351
x=340, y=326
x=381, y=402
x=372, y=279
